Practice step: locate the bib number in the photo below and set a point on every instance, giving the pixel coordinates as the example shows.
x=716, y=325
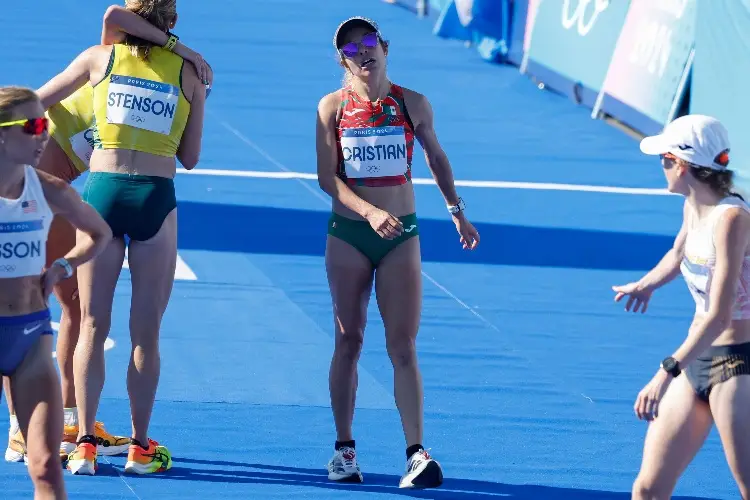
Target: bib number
x=374, y=152
x=141, y=103
x=83, y=145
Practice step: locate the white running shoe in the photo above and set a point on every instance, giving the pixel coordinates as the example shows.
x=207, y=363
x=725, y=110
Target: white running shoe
x=422, y=471
x=343, y=466
x=16, y=451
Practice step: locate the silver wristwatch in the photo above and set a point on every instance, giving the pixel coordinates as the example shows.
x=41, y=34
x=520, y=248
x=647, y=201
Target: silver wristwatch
x=458, y=207
x=65, y=265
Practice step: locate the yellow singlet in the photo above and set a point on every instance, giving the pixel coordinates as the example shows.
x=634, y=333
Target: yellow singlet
x=139, y=104
x=71, y=123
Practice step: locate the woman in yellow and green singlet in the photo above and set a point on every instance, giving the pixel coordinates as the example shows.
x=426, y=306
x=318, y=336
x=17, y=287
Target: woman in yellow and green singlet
x=67, y=156
x=148, y=113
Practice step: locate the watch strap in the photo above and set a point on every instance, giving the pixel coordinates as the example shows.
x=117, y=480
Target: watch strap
x=458, y=207
x=671, y=366
x=65, y=265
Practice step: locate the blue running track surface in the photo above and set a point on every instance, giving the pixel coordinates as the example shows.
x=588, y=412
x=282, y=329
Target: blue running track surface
x=530, y=369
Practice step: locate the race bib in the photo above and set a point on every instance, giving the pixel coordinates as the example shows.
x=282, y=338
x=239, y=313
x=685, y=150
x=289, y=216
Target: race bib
x=374, y=152
x=83, y=145
x=141, y=103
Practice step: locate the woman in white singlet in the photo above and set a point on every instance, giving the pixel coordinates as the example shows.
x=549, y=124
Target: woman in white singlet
x=712, y=252
x=29, y=200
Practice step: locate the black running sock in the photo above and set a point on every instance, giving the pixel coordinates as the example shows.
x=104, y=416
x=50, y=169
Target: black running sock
x=135, y=441
x=342, y=444
x=411, y=450
x=88, y=438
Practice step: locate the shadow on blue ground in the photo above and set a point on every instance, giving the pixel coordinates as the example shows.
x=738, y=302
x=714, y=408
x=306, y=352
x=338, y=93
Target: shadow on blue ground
x=266, y=230
x=453, y=489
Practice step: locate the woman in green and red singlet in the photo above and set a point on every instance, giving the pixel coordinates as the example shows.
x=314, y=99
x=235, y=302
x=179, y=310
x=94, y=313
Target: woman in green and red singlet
x=365, y=142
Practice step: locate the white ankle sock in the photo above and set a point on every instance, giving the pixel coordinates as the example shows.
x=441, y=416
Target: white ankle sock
x=13, y=425
x=70, y=416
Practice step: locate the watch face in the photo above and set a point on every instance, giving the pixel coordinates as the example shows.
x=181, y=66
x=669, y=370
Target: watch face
x=669, y=364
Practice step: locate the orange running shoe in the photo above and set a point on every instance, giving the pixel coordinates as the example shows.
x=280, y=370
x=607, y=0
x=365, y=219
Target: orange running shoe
x=155, y=459
x=82, y=461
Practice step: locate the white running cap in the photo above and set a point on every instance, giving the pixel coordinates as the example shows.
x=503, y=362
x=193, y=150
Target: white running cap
x=697, y=139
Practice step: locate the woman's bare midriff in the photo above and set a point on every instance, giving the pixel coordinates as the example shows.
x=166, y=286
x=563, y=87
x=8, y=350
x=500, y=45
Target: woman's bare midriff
x=19, y=296
x=396, y=200
x=738, y=332
x=126, y=161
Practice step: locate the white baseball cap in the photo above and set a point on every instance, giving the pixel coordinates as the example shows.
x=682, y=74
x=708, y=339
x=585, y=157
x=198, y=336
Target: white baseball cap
x=697, y=139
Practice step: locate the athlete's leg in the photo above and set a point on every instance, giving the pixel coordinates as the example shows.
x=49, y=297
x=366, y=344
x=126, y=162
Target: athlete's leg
x=730, y=405
x=350, y=277
x=152, y=265
x=36, y=391
x=398, y=287
x=61, y=238
x=672, y=440
x=9, y=397
x=96, y=282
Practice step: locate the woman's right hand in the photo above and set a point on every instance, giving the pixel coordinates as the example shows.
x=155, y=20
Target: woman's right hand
x=638, y=295
x=385, y=224
x=201, y=66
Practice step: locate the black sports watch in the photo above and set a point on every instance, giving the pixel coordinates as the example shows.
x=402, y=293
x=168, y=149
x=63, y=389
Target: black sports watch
x=671, y=366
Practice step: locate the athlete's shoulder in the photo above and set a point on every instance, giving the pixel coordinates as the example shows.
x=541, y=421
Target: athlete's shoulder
x=687, y=210
x=738, y=210
x=735, y=221
x=418, y=106
x=410, y=93
x=98, y=54
x=99, y=50
x=415, y=101
x=188, y=70
x=329, y=103
x=93, y=54
x=48, y=180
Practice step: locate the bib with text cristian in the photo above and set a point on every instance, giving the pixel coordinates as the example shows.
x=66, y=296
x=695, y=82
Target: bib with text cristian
x=374, y=152
x=142, y=103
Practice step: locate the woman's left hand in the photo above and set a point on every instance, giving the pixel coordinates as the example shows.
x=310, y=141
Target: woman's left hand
x=50, y=278
x=469, y=234
x=647, y=404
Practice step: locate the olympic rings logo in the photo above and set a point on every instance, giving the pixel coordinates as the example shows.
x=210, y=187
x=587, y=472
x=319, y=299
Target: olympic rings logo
x=578, y=17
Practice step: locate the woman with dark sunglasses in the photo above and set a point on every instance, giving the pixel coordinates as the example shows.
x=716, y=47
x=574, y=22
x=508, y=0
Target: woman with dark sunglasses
x=365, y=140
x=67, y=156
x=28, y=202
x=148, y=108
x=705, y=380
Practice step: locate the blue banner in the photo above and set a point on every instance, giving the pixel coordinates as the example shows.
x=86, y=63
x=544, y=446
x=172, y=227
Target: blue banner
x=648, y=72
x=572, y=42
x=721, y=72
x=484, y=23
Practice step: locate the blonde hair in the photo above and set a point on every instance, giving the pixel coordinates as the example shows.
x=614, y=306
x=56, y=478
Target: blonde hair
x=160, y=13
x=12, y=97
